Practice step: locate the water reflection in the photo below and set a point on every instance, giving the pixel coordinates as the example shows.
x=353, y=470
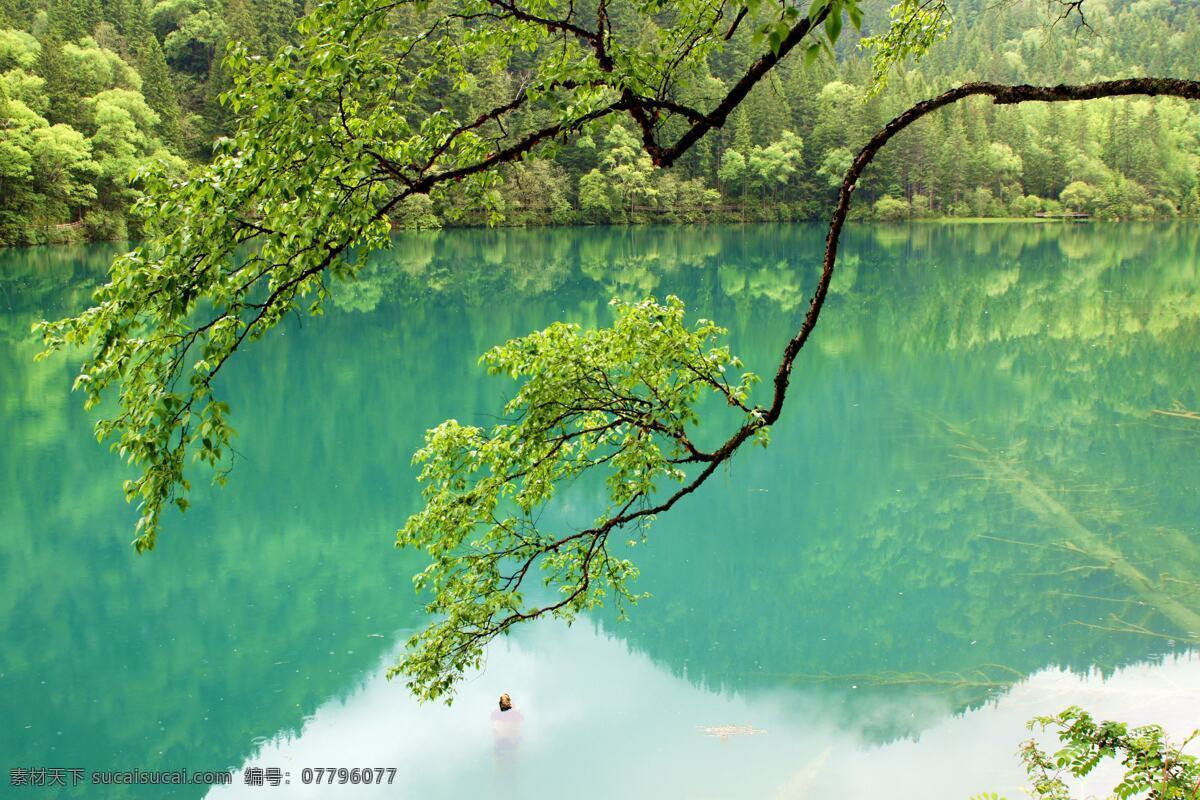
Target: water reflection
x=605, y=722
x=970, y=487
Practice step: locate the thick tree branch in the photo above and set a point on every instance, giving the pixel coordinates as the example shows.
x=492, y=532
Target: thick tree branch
x=665, y=157
x=763, y=417
x=1001, y=95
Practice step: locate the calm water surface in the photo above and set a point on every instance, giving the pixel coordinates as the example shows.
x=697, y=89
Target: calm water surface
x=970, y=513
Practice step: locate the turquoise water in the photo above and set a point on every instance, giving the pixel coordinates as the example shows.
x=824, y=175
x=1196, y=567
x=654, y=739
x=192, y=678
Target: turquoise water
x=971, y=512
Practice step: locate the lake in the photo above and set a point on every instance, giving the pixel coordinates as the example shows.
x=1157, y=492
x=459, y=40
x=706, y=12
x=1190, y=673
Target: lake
x=973, y=510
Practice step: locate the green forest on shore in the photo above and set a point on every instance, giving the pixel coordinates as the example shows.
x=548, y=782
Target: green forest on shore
x=94, y=91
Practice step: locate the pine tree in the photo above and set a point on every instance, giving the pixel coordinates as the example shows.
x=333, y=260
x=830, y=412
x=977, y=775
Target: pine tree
x=147, y=57
x=71, y=20
x=119, y=14
x=242, y=26
x=276, y=23
x=743, y=131
x=65, y=105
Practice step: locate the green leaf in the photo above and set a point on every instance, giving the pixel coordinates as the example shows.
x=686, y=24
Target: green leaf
x=833, y=26
x=816, y=8
x=775, y=40
x=855, y=14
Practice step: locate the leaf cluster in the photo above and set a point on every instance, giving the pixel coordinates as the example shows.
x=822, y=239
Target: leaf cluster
x=1155, y=767
x=916, y=25
x=620, y=400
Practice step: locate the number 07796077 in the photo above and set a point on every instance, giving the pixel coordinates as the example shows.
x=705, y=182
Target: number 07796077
x=366, y=775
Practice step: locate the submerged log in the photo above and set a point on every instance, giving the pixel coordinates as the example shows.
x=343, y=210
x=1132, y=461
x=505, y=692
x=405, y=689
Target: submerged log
x=1030, y=494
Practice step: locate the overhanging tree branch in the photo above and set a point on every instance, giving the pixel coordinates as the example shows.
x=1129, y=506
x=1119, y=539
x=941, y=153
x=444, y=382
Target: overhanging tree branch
x=1001, y=95
x=332, y=138
x=439, y=655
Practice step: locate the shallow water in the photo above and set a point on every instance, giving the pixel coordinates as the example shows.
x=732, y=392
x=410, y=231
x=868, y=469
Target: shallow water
x=970, y=513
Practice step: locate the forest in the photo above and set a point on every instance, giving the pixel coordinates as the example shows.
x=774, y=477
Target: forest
x=94, y=92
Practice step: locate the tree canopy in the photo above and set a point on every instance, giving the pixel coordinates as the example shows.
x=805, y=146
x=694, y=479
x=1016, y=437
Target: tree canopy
x=1120, y=160
x=333, y=138
x=336, y=135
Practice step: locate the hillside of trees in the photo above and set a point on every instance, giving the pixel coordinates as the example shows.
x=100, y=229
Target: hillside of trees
x=92, y=91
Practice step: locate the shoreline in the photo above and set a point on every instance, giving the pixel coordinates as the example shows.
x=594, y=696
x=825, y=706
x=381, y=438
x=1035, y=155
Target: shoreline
x=560, y=226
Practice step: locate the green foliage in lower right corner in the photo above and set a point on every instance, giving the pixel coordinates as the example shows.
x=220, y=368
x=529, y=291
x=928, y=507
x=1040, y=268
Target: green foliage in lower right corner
x=1155, y=767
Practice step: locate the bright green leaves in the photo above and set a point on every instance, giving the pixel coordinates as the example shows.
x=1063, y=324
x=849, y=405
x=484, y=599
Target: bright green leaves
x=855, y=14
x=1154, y=766
x=777, y=30
x=618, y=402
x=916, y=25
x=780, y=21
x=379, y=103
x=825, y=16
x=833, y=27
